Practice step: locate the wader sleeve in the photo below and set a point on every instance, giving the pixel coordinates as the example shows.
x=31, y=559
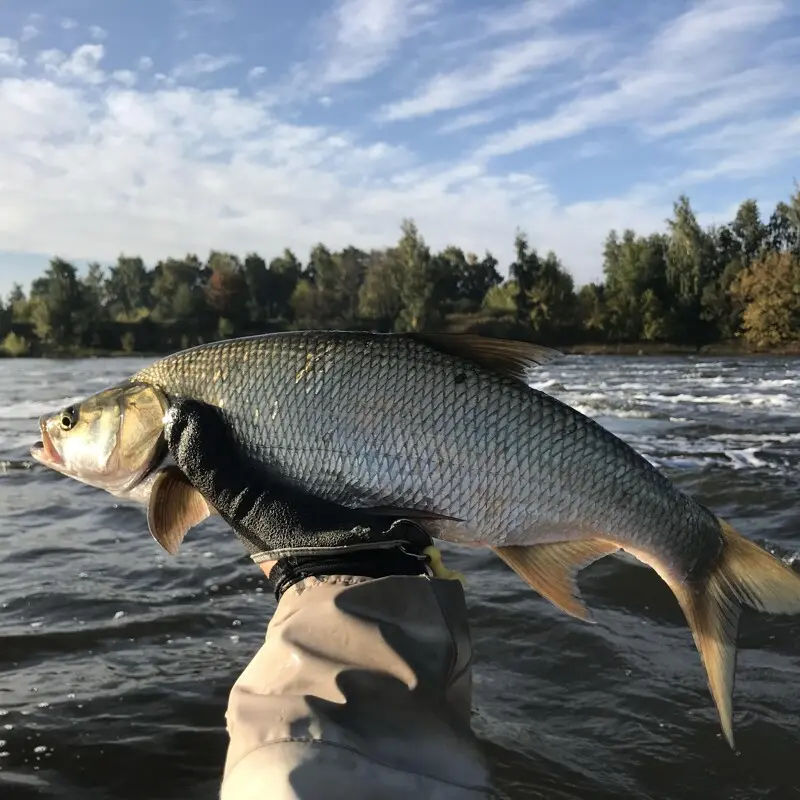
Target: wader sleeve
x=362, y=689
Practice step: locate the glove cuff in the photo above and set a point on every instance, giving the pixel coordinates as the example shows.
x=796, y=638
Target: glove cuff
x=373, y=563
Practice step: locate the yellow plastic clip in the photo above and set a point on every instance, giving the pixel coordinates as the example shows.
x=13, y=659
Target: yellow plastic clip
x=439, y=569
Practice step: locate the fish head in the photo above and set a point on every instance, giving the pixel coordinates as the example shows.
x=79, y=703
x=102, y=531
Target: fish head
x=111, y=440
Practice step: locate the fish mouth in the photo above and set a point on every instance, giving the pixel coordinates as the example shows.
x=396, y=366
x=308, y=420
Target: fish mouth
x=43, y=450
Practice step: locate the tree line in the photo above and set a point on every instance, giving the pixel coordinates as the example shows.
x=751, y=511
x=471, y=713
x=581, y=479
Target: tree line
x=689, y=285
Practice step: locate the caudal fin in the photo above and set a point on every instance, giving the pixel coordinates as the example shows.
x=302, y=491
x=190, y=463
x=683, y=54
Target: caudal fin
x=747, y=575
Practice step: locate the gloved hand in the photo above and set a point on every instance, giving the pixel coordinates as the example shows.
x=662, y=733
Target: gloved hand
x=305, y=535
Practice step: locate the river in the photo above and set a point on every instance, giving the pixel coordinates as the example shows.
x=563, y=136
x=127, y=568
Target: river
x=116, y=660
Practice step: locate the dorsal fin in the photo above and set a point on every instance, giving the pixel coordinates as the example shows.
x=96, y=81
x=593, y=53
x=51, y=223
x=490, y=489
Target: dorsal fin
x=513, y=358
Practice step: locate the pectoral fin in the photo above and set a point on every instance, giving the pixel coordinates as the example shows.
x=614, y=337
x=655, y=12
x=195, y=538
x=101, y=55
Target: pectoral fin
x=175, y=506
x=551, y=569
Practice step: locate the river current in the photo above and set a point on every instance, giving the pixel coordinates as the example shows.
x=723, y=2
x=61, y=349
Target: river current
x=116, y=660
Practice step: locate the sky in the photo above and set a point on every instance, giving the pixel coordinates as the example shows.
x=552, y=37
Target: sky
x=162, y=127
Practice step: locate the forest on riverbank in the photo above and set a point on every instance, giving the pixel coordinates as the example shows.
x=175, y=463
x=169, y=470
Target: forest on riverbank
x=689, y=287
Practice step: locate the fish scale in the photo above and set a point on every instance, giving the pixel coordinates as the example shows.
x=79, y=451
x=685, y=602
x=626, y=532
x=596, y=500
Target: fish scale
x=391, y=422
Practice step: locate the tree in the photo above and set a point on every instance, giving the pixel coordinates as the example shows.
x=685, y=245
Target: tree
x=553, y=302
x=18, y=304
x=690, y=263
x=412, y=259
x=226, y=291
x=525, y=271
x=283, y=274
x=257, y=279
x=94, y=292
x=770, y=292
x=379, y=296
x=479, y=277
x=177, y=292
x=128, y=289
x=58, y=306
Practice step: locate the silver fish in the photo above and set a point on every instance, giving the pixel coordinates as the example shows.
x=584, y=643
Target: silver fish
x=443, y=428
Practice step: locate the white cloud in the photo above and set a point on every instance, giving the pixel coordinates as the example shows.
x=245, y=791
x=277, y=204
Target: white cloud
x=94, y=163
x=9, y=54
x=689, y=62
x=126, y=77
x=530, y=14
x=205, y=10
x=257, y=72
x=501, y=69
x=157, y=174
x=69, y=24
x=202, y=64
x=97, y=32
x=473, y=119
x=364, y=35
x=29, y=32
x=82, y=65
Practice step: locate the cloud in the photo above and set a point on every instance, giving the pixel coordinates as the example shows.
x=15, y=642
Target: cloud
x=531, y=14
x=205, y=10
x=88, y=175
x=364, y=35
x=97, y=32
x=69, y=24
x=126, y=77
x=202, y=64
x=100, y=156
x=687, y=63
x=29, y=32
x=9, y=54
x=82, y=65
x=736, y=154
x=499, y=70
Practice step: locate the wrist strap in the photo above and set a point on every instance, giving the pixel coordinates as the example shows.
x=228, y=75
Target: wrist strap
x=377, y=563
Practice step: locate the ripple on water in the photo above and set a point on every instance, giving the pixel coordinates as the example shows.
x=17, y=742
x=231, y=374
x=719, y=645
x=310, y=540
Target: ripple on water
x=116, y=660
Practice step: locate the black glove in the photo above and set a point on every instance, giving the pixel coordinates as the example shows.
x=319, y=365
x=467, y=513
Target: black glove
x=307, y=536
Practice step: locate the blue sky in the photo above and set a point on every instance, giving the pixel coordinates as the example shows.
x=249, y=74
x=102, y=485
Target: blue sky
x=162, y=127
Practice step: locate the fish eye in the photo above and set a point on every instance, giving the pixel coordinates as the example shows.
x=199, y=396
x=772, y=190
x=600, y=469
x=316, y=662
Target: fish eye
x=69, y=416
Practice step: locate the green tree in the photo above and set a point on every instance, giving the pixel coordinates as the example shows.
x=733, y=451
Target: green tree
x=283, y=274
x=18, y=303
x=480, y=276
x=525, y=272
x=57, y=307
x=257, y=280
x=15, y=345
x=502, y=299
x=379, y=296
x=128, y=289
x=690, y=268
x=412, y=259
x=176, y=293
x=94, y=292
x=592, y=310
x=553, y=302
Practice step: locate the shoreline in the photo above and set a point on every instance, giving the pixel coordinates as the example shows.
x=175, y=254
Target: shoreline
x=631, y=349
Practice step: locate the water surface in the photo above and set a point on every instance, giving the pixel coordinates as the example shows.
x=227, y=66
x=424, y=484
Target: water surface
x=116, y=660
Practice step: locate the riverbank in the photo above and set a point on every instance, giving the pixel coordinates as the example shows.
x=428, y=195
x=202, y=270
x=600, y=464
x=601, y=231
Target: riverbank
x=730, y=348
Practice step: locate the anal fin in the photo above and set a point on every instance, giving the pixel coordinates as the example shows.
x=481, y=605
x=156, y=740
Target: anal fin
x=551, y=569
x=174, y=507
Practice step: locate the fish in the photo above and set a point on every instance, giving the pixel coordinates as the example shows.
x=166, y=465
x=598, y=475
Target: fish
x=444, y=429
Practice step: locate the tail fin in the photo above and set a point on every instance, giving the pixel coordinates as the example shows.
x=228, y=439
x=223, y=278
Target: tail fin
x=746, y=575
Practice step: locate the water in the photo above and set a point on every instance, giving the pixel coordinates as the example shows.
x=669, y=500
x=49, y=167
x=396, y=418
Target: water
x=116, y=661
